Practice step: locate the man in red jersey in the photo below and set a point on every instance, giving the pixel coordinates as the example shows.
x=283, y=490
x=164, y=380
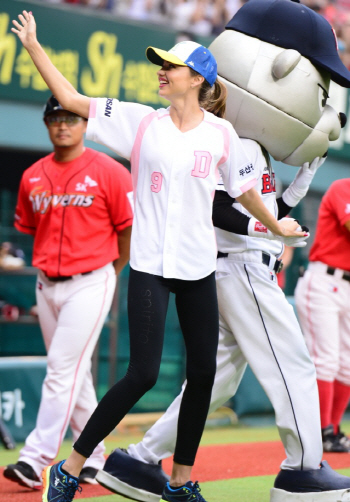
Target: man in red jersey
x=76, y=202
x=323, y=298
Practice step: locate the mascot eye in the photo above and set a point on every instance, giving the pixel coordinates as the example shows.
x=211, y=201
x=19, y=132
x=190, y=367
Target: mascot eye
x=322, y=96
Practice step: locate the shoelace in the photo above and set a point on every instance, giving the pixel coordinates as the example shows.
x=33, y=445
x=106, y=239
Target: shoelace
x=69, y=492
x=196, y=490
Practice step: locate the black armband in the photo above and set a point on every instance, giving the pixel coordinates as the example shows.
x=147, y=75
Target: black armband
x=227, y=217
x=283, y=208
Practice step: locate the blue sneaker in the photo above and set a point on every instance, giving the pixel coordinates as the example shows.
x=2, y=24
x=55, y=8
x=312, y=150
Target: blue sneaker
x=186, y=493
x=59, y=487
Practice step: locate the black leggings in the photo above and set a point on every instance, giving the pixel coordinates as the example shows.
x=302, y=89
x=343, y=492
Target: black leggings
x=148, y=298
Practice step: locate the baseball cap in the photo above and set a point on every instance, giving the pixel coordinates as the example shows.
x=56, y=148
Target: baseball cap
x=52, y=105
x=292, y=25
x=187, y=53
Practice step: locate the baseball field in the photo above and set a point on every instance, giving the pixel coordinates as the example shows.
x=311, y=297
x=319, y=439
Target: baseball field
x=234, y=464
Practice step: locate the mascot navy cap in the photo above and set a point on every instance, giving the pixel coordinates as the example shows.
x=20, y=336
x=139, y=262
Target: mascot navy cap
x=291, y=25
x=187, y=53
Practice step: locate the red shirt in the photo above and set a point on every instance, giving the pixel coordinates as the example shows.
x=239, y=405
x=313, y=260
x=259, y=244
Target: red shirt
x=75, y=211
x=332, y=239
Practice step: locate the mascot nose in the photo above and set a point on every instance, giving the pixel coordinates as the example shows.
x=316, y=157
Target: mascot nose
x=330, y=123
x=343, y=119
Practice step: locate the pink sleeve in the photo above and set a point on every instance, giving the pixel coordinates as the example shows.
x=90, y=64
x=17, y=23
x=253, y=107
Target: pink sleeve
x=249, y=185
x=93, y=108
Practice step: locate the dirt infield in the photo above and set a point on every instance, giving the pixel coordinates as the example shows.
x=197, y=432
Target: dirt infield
x=214, y=462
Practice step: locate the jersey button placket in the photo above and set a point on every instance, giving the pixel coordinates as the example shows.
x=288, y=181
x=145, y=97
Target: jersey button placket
x=172, y=227
x=54, y=242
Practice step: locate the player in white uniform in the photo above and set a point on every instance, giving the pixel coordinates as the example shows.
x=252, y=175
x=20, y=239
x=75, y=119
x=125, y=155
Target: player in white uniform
x=258, y=326
x=176, y=156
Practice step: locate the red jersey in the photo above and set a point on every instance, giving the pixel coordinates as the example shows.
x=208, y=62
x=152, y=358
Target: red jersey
x=332, y=239
x=75, y=211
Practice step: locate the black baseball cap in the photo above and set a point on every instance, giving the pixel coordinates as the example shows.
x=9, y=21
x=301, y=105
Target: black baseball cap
x=52, y=105
x=292, y=25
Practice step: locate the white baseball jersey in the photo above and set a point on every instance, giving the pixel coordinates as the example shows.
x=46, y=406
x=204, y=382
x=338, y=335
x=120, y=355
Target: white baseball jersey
x=229, y=242
x=174, y=176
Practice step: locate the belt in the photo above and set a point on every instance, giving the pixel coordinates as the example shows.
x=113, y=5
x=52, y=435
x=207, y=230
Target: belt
x=62, y=278
x=222, y=255
x=265, y=258
x=345, y=276
x=266, y=261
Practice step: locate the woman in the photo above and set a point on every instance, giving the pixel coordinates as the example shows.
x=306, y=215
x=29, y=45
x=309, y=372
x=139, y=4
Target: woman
x=176, y=155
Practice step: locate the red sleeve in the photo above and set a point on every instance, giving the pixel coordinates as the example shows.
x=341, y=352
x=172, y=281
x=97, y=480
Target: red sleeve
x=339, y=196
x=24, y=215
x=119, y=196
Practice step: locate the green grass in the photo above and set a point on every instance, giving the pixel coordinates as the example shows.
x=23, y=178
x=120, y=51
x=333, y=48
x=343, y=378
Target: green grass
x=114, y=441
x=242, y=490
x=228, y=490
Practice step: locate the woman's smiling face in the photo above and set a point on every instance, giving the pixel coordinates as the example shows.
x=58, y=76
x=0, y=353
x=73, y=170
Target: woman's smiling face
x=174, y=80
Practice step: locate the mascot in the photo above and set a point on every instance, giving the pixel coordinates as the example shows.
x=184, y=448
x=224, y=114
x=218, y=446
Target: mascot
x=277, y=59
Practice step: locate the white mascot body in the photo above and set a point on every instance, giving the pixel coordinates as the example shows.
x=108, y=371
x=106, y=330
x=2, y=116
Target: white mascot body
x=277, y=58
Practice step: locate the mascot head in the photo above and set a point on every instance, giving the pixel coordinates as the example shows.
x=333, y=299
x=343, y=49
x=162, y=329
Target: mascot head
x=277, y=58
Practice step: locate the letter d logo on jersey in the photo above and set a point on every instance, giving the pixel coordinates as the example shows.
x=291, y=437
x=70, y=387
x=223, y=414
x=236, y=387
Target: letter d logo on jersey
x=202, y=164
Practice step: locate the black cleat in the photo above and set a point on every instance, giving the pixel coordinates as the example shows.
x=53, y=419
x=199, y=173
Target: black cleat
x=336, y=443
x=23, y=474
x=88, y=475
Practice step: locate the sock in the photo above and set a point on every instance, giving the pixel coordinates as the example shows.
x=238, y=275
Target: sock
x=67, y=473
x=340, y=402
x=178, y=487
x=326, y=392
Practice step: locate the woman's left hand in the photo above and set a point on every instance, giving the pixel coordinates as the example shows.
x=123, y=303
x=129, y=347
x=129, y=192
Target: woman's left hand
x=293, y=234
x=290, y=228
x=254, y=204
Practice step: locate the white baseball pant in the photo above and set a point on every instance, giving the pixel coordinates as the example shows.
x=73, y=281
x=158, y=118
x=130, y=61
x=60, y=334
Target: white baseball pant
x=323, y=302
x=71, y=315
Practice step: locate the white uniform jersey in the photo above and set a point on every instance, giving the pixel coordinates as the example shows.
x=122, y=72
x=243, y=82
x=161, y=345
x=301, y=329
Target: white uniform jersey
x=174, y=178
x=229, y=242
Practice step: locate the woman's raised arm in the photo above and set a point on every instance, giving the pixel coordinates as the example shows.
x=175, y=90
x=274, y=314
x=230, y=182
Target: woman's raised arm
x=68, y=97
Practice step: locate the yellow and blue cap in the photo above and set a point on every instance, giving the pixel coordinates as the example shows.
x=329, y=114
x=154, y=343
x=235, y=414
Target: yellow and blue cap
x=187, y=53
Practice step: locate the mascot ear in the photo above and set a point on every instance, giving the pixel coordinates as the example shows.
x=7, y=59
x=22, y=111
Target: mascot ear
x=285, y=62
